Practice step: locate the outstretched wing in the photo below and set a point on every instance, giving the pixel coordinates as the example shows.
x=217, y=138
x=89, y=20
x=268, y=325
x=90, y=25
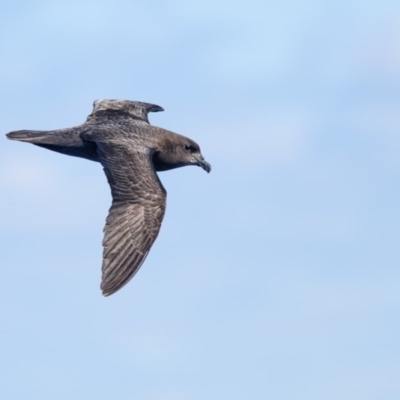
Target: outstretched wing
x=137, y=210
x=65, y=141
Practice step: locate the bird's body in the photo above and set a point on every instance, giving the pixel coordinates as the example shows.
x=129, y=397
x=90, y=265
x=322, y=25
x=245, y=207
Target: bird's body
x=118, y=135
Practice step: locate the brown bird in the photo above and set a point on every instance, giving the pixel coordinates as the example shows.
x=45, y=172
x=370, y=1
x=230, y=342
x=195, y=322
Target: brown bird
x=118, y=135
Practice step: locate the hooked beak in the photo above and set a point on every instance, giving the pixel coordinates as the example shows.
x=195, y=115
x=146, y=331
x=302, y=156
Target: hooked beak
x=203, y=163
x=155, y=108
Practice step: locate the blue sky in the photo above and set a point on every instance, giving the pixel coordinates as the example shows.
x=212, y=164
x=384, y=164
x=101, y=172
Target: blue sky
x=275, y=276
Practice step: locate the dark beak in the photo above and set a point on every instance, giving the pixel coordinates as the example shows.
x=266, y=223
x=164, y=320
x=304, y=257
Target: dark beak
x=203, y=164
x=155, y=108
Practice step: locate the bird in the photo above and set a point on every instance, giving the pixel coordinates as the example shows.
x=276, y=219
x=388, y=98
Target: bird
x=119, y=136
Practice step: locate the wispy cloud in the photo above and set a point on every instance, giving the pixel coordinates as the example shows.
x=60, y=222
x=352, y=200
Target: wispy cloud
x=45, y=193
x=276, y=136
x=27, y=175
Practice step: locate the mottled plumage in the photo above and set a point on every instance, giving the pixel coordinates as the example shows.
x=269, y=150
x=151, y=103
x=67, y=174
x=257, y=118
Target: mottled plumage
x=118, y=135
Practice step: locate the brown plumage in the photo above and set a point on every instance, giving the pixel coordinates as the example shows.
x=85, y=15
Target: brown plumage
x=118, y=135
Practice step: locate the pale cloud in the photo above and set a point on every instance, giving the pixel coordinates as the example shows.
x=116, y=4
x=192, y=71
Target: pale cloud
x=156, y=342
x=27, y=175
x=44, y=193
x=343, y=299
x=377, y=118
x=277, y=136
x=378, y=122
x=173, y=392
x=380, y=51
x=363, y=382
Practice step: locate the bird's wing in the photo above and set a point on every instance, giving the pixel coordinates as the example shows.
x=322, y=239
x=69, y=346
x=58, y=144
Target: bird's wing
x=137, y=210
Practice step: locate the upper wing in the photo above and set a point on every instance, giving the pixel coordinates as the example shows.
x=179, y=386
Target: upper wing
x=137, y=210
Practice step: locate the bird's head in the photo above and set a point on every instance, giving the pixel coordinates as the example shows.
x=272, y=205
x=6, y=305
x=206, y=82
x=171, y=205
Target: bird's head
x=179, y=151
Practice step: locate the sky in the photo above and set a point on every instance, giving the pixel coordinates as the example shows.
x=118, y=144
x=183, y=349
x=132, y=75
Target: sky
x=277, y=275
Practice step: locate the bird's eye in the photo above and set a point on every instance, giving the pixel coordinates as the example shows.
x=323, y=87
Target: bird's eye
x=190, y=148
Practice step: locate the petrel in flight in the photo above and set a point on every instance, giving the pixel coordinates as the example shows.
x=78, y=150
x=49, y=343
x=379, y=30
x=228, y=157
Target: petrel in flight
x=118, y=135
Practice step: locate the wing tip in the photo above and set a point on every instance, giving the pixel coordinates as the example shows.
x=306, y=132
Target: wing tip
x=107, y=291
x=18, y=135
